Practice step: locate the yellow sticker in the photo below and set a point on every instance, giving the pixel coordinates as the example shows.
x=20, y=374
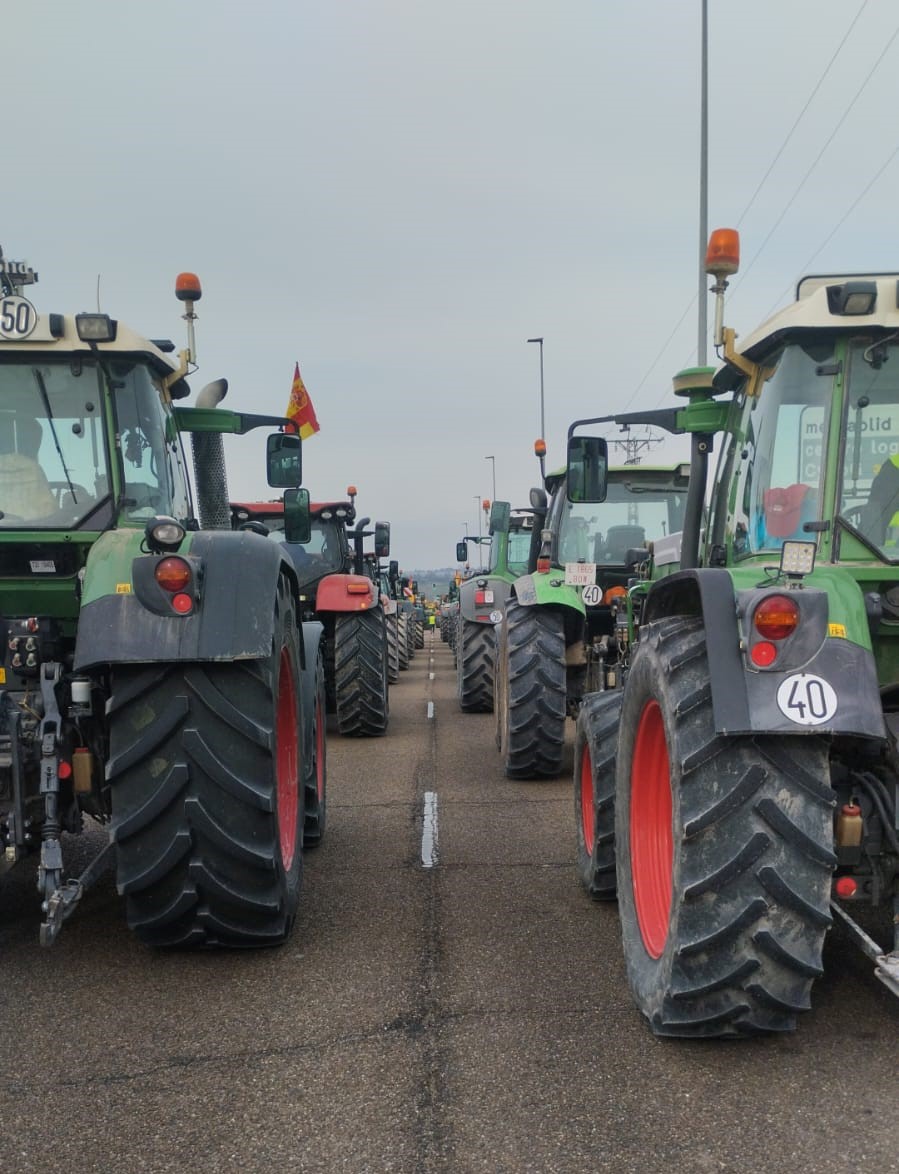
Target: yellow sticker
x=2, y=676
x=123, y=588
x=837, y=630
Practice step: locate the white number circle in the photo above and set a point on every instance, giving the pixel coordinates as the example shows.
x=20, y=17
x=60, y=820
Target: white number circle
x=807, y=700
x=592, y=595
x=17, y=317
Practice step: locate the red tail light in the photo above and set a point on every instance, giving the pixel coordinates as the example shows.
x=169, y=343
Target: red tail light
x=543, y=565
x=776, y=617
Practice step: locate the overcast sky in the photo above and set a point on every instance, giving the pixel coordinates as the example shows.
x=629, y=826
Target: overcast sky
x=399, y=193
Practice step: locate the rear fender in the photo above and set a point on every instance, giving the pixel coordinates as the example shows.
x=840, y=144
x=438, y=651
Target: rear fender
x=490, y=612
x=237, y=575
x=335, y=593
x=819, y=683
x=539, y=589
x=313, y=638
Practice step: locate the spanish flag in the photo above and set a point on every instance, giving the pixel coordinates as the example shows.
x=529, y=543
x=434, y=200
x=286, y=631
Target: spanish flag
x=299, y=407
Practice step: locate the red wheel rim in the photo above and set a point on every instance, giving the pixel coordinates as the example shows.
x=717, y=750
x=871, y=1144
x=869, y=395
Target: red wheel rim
x=587, y=820
x=287, y=761
x=651, y=841
x=319, y=750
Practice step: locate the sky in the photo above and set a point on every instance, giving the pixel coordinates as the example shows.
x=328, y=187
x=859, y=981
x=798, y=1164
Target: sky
x=398, y=194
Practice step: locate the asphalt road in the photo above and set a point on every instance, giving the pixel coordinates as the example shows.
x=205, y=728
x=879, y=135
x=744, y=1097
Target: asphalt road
x=450, y=1000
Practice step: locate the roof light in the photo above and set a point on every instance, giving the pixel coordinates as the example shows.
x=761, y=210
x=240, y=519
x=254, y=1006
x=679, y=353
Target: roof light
x=95, y=327
x=351, y=491
x=539, y=448
x=852, y=298
x=797, y=558
x=722, y=256
x=188, y=288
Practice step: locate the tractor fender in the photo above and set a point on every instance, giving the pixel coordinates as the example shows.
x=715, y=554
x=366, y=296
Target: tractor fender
x=313, y=637
x=468, y=609
x=542, y=589
x=345, y=593
x=237, y=574
x=819, y=684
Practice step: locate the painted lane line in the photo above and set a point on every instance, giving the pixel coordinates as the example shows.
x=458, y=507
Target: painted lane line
x=429, y=830
x=430, y=710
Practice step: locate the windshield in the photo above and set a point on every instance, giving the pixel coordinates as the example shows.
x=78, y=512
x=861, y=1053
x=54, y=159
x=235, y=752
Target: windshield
x=54, y=467
x=519, y=549
x=322, y=555
x=637, y=510
x=869, y=488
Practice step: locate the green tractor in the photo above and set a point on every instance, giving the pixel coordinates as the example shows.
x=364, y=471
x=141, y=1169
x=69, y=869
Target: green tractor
x=554, y=635
x=737, y=772
x=152, y=675
x=481, y=602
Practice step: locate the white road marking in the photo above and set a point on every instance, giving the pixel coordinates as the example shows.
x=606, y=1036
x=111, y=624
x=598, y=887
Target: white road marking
x=429, y=831
x=430, y=710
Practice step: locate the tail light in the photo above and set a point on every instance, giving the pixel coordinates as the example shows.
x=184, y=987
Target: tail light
x=776, y=617
x=173, y=574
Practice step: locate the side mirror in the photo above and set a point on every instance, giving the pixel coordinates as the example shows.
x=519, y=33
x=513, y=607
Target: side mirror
x=382, y=539
x=393, y=569
x=500, y=515
x=297, y=518
x=587, y=470
x=461, y=552
x=284, y=456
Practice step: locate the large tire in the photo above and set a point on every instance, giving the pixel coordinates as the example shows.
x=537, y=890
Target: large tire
x=595, y=751
x=360, y=673
x=530, y=691
x=315, y=763
x=474, y=676
x=724, y=852
x=207, y=806
x=402, y=641
x=419, y=633
x=393, y=648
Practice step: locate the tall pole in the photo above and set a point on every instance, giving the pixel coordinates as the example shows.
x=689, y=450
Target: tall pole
x=477, y=498
x=542, y=419
x=493, y=463
x=703, y=184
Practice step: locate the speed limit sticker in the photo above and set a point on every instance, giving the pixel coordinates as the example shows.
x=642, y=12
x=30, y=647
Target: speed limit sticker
x=17, y=318
x=806, y=699
x=592, y=594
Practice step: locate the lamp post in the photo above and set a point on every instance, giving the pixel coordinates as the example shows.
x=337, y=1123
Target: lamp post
x=493, y=466
x=542, y=420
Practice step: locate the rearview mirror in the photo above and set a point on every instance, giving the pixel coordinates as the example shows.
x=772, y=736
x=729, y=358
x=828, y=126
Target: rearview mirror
x=500, y=515
x=297, y=519
x=284, y=456
x=461, y=552
x=587, y=470
x=382, y=539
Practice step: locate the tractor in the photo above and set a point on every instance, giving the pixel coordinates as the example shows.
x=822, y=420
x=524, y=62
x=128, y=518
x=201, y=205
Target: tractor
x=737, y=771
x=153, y=675
x=553, y=637
x=481, y=602
x=338, y=588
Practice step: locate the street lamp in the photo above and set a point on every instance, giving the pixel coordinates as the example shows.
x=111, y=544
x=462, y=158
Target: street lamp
x=493, y=466
x=542, y=420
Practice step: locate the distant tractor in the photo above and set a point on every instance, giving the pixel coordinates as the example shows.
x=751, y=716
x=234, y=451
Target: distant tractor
x=481, y=602
x=337, y=588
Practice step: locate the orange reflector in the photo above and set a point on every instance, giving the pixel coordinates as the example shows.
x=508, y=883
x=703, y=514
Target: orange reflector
x=613, y=593
x=543, y=565
x=723, y=254
x=776, y=617
x=358, y=588
x=173, y=574
x=188, y=288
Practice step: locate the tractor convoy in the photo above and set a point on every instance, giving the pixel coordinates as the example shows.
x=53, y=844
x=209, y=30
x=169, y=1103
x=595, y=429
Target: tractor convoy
x=725, y=640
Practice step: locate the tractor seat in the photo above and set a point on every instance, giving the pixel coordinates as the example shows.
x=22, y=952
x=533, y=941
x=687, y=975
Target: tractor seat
x=619, y=540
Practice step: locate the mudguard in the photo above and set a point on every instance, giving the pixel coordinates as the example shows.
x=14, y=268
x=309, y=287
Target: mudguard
x=313, y=634
x=335, y=593
x=821, y=682
x=547, y=589
x=237, y=573
x=483, y=613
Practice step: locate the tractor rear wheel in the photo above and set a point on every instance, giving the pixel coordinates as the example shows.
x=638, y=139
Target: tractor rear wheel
x=595, y=750
x=360, y=672
x=530, y=691
x=402, y=624
x=724, y=852
x=474, y=676
x=315, y=764
x=207, y=801
x=393, y=649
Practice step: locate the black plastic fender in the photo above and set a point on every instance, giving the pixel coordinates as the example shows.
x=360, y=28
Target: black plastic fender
x=501, y=589
x=232, y=620
x=820, y=685
x=313, y=635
